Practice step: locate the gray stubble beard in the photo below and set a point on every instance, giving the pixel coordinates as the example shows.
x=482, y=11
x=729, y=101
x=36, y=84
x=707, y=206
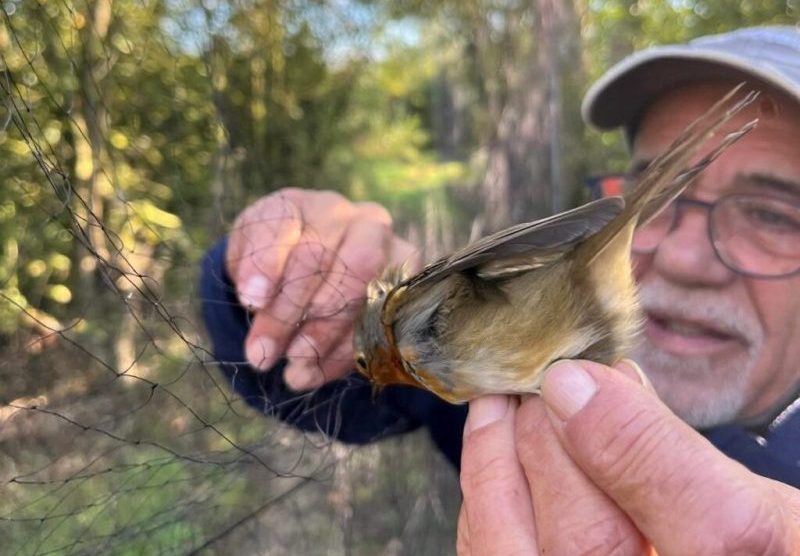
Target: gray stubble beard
x=701, y=391
x=692, y=389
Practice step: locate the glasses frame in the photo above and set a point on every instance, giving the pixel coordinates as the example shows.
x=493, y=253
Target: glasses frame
x=709, y=208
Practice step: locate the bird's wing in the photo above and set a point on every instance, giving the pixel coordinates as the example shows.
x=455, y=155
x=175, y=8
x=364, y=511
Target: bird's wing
x=525, y=246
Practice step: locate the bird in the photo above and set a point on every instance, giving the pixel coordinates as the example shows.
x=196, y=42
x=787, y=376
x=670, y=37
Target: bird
x=492, y=316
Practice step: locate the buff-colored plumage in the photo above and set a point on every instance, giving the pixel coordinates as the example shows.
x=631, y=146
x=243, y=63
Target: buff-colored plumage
x=492, y=316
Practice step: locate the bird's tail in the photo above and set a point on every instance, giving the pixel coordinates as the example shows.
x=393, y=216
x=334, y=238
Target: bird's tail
x=665, y=178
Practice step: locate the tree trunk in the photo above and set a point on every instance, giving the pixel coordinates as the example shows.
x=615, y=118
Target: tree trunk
x=523, y=161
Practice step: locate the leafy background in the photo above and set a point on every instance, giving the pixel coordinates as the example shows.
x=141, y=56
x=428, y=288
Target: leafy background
x=131, y=134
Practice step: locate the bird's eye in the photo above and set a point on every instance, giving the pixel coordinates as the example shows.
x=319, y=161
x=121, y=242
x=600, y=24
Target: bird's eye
x=361, y=362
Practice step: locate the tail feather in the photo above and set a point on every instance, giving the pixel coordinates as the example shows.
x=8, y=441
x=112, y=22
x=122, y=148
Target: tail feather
x=665, y=177
x=658, y=201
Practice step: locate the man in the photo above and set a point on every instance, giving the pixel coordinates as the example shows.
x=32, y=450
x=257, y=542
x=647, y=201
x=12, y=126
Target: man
x=597, y=464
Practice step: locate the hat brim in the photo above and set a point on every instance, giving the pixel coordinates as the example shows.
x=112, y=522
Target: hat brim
x=618, y=97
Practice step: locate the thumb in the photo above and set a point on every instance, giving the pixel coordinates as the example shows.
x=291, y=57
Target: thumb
x=684, y=495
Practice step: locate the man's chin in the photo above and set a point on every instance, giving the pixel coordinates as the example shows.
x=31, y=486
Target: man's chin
x=699, y=392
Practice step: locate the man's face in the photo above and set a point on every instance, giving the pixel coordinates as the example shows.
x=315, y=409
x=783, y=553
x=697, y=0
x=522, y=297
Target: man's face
x=717, y=345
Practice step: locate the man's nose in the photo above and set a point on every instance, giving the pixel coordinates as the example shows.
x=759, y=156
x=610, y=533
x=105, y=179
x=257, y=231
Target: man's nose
x=686, y=255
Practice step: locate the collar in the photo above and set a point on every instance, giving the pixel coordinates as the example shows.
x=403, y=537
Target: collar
x=761, y=426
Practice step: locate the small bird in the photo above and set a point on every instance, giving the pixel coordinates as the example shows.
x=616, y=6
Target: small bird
x=492, y=316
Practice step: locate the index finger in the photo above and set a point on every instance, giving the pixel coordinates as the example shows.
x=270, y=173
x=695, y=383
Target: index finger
x=497, y=503
x=573, y=516
x=259, y=245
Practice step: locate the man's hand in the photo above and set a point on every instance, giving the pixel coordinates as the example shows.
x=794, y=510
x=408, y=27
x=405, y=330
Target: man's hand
x=300, y=261
x=599, y=465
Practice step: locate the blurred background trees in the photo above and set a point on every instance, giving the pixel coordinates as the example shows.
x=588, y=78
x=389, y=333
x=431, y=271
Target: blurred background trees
x=132, y=132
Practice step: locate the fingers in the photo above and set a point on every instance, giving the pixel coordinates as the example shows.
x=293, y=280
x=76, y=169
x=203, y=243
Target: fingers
x=279, y=320
x=683, y=494
x=498, y=515
x=404, y=254
x=300, y=261
x=259, y=244
x=318, y=369
x=633, y=370
x=331, y=310
x=573, y=516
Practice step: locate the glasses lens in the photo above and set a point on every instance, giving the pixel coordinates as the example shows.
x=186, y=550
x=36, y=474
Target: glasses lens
x=647, y=237
x=758, y=235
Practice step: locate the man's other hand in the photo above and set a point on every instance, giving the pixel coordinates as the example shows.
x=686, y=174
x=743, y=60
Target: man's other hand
x=300, y=261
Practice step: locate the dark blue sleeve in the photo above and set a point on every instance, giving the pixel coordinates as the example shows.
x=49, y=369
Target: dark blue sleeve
x=775, y=454
x=343, y=409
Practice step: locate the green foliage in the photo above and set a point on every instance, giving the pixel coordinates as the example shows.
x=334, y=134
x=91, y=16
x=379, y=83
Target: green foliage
x=391, y=158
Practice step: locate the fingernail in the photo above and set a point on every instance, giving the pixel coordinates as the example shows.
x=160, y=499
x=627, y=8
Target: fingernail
x=253, y=294
x=300, y=375
x=635, y=371
x=261, y=353
x=567, y=388
x=484, y=411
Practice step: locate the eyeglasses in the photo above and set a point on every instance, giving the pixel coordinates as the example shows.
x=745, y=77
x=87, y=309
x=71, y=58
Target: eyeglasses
x=753, y=235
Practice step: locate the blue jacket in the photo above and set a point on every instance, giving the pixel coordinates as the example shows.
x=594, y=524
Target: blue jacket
x=346, y=410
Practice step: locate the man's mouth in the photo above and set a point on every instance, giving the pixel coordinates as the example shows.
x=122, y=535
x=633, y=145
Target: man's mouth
x=687, y=336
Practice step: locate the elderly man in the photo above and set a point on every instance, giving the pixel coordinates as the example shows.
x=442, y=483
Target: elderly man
x=598, y=464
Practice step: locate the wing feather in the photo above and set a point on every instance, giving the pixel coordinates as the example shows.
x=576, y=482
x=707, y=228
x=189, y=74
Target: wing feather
x=524, y=246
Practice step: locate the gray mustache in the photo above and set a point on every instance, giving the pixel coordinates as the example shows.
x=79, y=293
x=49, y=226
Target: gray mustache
x=704, y=307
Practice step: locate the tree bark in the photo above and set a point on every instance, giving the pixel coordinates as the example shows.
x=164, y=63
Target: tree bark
x=523, y=161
